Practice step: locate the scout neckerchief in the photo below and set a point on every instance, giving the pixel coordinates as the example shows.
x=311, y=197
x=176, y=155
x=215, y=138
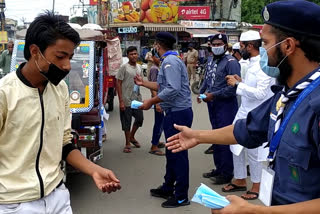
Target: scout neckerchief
x=167, y=54
x=302, y=91
x=213, y=69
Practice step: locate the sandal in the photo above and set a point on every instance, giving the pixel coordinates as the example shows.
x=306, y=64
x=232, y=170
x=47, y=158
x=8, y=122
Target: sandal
x=256, y=196
x=135, y=143
x=235, y=188
x=157, y=152
x=127, y=149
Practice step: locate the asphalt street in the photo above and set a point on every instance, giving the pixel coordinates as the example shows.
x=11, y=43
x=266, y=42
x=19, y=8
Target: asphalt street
x=139, y=171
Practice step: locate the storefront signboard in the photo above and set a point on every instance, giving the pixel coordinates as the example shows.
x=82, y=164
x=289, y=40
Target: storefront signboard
x=127, y=30
x=3, y=37
x=209, y=24
x=195, y=24
x=159, y=11
x=194, y=12
x=125, y=11
x=227, y=25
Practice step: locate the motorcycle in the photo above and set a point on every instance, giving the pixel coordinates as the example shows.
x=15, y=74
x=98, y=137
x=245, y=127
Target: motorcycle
x=196, y=85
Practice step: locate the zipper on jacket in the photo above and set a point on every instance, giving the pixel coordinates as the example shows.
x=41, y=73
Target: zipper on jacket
x=40, y=148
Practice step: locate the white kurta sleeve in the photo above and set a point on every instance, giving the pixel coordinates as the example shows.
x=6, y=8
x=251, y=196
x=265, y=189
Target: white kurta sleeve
x=259, y=92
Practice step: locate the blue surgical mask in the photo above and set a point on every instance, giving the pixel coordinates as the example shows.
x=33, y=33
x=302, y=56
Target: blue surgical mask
x=269, y=70
x=217, y=51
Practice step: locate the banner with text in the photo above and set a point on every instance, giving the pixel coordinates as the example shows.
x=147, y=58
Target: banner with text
x=194, y=12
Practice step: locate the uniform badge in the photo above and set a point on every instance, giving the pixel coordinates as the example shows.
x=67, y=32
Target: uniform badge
x=294, y=174
x=266, y=14
x=295, y=128
x=220, y=36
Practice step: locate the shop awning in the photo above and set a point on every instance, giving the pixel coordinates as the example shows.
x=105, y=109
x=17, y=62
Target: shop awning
x=125, y=24
x=201, y=32
x=163, y=27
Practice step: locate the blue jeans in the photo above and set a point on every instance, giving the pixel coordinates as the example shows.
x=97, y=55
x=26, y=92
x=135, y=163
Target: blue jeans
x=177, y=167
x=157, y=127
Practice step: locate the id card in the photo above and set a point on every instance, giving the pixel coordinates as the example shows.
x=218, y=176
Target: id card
x=266, y=185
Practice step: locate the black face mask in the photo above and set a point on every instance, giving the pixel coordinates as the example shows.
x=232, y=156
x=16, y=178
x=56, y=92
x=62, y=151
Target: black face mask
x=245, y=54
x=285, y=68
x=54, y=73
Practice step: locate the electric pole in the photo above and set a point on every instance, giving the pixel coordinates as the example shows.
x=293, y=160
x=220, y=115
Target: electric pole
x=99, y=12
x=53, y=3
x=2, y=16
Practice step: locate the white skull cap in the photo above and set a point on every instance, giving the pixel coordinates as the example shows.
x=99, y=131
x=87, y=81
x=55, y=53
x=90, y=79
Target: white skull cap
x=250, y=35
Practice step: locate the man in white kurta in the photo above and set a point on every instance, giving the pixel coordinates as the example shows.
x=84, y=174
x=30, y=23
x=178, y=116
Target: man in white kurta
x=254, y=89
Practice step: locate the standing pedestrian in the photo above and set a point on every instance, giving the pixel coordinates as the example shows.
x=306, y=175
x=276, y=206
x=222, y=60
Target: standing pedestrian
x=254, y=90
x=222, y=104
x=192, y=60
x=35, y=125
x=174, y=96
x=5, y=58
x=158, y=113
x=127, y=92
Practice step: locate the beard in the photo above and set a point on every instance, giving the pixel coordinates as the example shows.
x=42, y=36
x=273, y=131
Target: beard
x=285, y=68
x=245, y=54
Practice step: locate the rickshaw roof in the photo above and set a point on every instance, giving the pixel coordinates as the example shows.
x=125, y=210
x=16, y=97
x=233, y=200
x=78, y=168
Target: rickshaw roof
x=85, y=34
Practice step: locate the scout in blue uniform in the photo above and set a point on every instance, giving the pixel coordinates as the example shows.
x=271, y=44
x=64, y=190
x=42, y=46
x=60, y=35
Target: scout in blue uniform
x=289, y=120
x=222, y=104
x=174, y=97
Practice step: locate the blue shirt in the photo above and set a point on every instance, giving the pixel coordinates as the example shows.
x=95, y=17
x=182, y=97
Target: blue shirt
x=217, y=70
x=297, y=160
x=173, y=84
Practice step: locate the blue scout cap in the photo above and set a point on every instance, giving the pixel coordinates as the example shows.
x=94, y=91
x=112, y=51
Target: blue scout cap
x=298, y=16
x=166, y=37
x=220, y=36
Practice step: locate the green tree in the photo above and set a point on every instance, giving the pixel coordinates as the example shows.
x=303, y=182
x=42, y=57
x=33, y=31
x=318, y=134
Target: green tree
x=251, y=10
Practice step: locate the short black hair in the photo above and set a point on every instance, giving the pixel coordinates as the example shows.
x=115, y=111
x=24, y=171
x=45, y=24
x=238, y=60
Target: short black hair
x=255, y=43
x=45, y=30
x=167, y=45
x=309, y=45
x=131, y=48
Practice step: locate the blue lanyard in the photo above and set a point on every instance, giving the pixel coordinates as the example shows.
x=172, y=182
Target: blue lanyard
x=167, y=54
x=276, y=139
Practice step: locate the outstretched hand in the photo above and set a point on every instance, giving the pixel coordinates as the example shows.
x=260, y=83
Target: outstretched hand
x=147, y=104
x=184, y=140
x=138, y=80
x=106, y=180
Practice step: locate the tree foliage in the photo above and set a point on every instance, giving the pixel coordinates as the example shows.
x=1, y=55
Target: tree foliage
x=251, y=10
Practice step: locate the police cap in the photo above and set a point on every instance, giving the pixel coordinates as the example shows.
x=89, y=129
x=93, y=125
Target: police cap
x=297, y=16
x=220, y=36
x=165, y=37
